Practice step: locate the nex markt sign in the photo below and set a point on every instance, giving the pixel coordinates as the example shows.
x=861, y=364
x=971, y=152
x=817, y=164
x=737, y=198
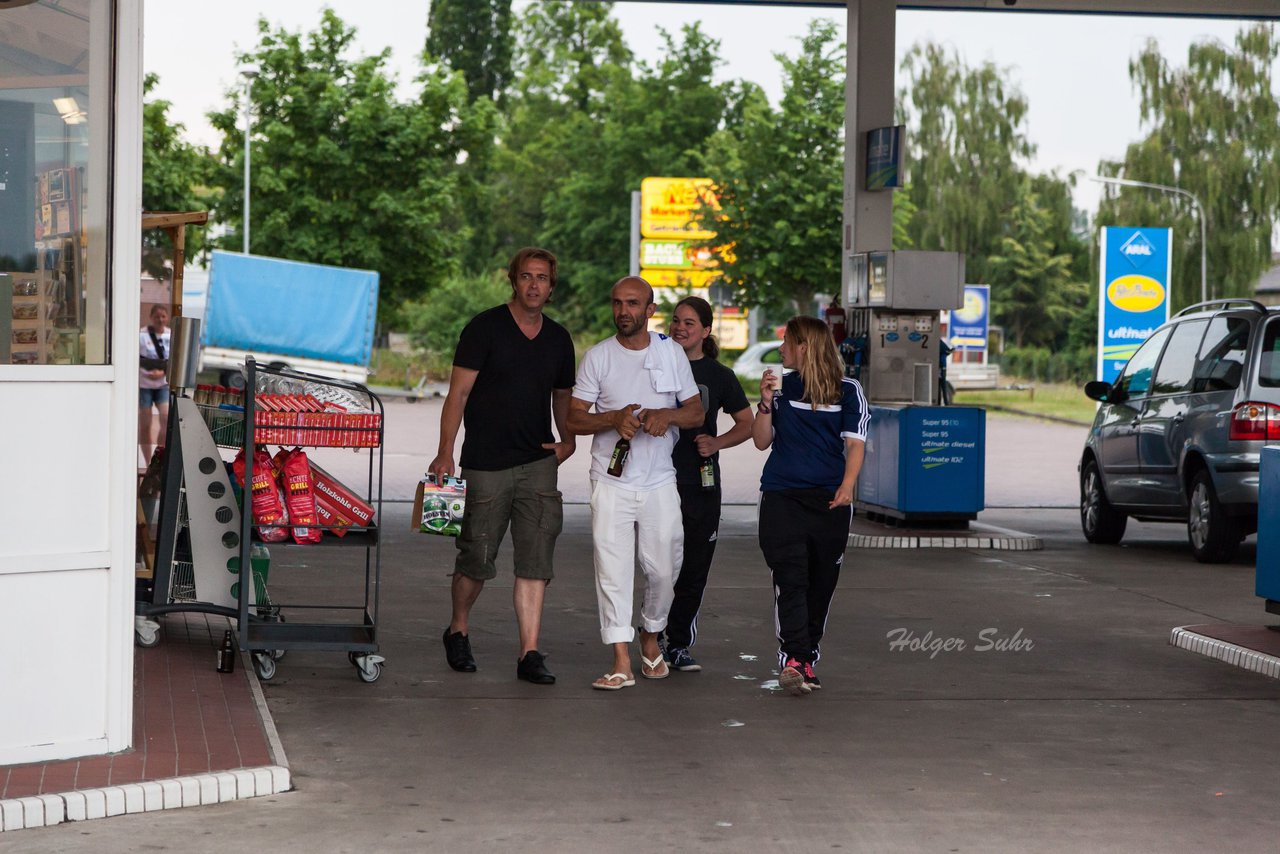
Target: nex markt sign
x=670, y=259
x=669, y=254
x=667, y=206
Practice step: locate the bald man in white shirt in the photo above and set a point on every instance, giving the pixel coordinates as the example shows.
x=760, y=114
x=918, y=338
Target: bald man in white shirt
x=641, y=388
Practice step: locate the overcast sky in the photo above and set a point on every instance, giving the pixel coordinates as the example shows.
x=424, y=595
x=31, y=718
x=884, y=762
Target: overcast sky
x=1073, y=69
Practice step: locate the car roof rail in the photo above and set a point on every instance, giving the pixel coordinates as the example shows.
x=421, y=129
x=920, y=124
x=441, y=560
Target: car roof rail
x=1240, y=301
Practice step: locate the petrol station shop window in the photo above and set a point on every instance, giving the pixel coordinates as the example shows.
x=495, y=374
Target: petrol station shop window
x=54, y=132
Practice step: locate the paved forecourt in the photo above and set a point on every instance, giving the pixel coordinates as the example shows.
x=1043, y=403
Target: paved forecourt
x=973, y=699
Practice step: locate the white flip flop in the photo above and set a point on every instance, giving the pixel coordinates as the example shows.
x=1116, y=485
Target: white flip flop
x=652, y=664
x=606, y=685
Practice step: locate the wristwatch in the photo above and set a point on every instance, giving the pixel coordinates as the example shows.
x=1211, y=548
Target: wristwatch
x=763, y=408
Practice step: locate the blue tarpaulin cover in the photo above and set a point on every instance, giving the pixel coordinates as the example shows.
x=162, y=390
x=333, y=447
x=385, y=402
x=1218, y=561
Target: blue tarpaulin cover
x=288, y=307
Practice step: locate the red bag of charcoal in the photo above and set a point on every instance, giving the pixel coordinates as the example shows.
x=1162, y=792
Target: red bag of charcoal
x=300, y=497
x=266, y=499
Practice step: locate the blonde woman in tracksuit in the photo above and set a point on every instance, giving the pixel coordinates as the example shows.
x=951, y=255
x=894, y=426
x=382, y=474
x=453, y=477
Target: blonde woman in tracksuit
x=814, y=420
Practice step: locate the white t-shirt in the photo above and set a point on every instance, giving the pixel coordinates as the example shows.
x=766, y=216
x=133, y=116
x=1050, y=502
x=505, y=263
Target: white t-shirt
x=147, y=349
x=611, y=377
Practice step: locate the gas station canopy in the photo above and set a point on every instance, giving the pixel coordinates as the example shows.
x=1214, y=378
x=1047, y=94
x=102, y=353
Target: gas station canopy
x=1189, y=8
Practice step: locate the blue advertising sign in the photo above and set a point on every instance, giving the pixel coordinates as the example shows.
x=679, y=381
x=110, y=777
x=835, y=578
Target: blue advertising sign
x=969, y=325
x=884, y=158
x=1137, y=265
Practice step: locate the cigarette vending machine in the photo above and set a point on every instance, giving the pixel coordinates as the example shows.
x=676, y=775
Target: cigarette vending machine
x=925, y=461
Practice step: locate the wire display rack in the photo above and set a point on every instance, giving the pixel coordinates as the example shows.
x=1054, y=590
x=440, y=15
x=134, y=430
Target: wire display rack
x=225, y=423
x=351, y=417
x=209, y=554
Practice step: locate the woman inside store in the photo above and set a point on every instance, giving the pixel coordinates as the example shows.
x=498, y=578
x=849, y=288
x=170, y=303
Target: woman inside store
x=697, y=461
x=815, y=420
x=153, y=383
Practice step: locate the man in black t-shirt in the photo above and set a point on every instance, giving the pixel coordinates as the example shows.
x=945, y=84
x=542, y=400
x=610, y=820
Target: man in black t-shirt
x=512, y=372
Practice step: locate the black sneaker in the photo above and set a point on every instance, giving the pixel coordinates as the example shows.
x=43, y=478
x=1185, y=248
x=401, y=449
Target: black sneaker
x=810, y=678
x=791, y=678
x=457, y=651
x=533, y=669
x=679, y=659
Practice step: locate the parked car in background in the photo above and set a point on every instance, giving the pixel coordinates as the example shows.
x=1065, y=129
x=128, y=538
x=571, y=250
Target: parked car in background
x=758, y=358
x=1179, y=433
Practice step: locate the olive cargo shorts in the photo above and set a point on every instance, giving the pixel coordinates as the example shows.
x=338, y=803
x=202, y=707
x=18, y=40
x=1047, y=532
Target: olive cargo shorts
x=526, y=498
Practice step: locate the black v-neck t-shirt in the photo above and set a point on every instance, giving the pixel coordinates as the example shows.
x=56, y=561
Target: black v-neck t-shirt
x=508, y=413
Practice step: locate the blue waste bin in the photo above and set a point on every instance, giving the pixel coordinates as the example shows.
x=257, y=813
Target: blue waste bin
x=1267, y=571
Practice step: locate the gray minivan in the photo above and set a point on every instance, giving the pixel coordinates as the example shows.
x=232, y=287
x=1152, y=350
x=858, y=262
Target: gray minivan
x=1178, y=434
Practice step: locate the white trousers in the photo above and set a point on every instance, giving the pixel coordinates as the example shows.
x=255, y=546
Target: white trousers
x=629, y=527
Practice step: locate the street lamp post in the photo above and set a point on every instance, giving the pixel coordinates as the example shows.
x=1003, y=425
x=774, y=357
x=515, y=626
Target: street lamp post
x=1125, y=182
x=248, y=74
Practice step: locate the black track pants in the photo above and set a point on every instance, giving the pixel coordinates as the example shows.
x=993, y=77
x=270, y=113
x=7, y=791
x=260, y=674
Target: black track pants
x=803, y=543
x=700, y=512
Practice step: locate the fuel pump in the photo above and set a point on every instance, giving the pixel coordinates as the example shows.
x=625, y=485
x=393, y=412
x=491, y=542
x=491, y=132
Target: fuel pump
x=925, y=461
x=896, y=298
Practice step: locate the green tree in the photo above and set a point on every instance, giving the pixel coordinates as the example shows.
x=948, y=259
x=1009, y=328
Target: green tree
x=903, y=211
x=1067, y=229
x=344, y=174
x=652, y=121
x=1033, y=294
x=779, y=175
x=1214, y=131
x=435, y=322
x=966, y=146
x=568, y=51
x=175, y=177
x=473, y=37
x=565, y=53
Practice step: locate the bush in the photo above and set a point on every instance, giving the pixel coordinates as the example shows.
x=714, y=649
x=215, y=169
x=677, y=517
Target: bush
x=435, y=321
x=1039, y=364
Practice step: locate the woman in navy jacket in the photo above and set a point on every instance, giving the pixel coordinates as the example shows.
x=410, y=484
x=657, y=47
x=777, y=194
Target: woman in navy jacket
x=815, y=420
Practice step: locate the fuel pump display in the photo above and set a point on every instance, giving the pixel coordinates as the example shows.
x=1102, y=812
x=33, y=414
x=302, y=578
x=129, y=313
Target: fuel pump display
x=925, y=461
x=896, y=298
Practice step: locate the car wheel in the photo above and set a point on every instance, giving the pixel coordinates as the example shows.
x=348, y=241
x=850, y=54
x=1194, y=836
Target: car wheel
x=1214, y=535
x=1101, y=523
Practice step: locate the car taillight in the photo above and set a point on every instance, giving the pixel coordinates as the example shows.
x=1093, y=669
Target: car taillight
x=1255, y=421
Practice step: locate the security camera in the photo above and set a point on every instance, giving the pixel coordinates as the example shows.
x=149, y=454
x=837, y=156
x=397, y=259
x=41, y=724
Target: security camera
x=1011, y=2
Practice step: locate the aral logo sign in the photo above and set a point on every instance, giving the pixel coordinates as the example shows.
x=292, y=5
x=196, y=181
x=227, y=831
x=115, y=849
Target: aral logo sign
x=1136, y=268
x=1137, y=249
